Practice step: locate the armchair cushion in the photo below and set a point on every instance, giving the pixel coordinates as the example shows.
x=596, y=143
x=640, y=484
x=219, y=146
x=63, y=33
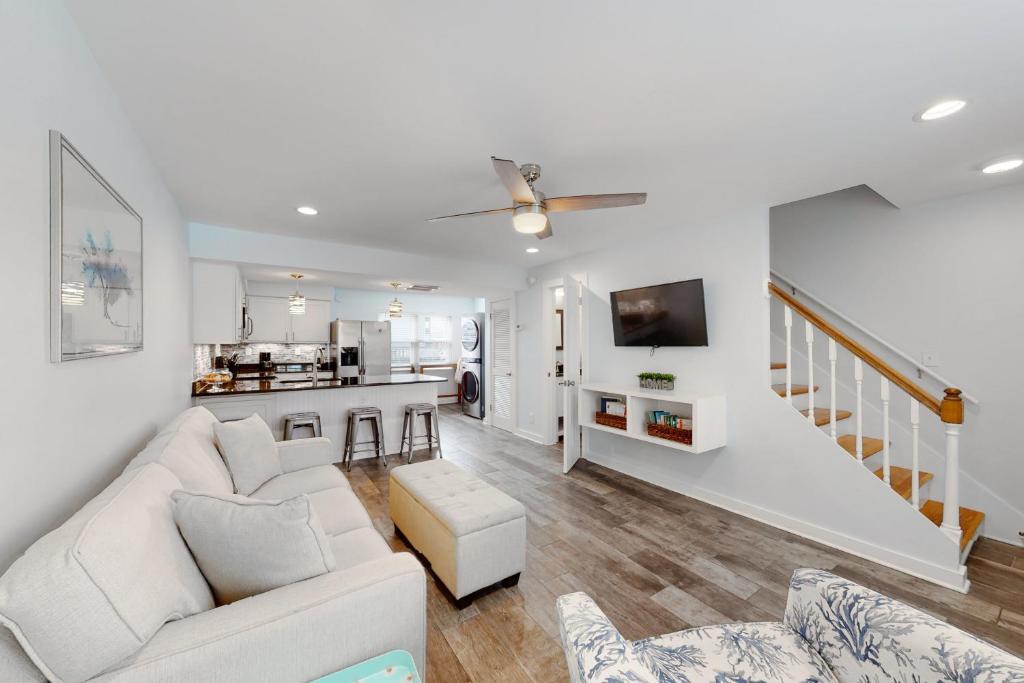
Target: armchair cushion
x=767, y=652
x=865, y=636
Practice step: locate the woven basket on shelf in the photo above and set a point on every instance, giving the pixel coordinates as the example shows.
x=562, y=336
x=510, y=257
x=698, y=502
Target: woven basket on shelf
x=671, y=433
x=609, y=420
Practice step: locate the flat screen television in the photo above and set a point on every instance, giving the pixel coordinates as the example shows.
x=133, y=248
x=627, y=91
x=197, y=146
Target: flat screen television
x=660, y=315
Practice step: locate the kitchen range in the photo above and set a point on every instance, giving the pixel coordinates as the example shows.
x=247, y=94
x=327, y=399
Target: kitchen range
x=353, y=371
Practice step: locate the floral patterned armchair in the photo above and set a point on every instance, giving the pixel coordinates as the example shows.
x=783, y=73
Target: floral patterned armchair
x=833, y=630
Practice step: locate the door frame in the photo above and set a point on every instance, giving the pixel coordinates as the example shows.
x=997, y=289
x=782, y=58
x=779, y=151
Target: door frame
x=550, y=406
x=489, y=360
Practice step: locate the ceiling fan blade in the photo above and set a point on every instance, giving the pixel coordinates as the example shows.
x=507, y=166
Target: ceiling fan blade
x=546, y=232
x=513, y=181
x=583, y=202
x=471, y=213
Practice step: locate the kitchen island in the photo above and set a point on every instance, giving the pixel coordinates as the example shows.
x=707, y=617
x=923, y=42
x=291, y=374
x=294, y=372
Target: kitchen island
x=274, y=399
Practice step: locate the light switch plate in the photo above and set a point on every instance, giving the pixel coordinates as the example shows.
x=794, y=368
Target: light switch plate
x=930, y=359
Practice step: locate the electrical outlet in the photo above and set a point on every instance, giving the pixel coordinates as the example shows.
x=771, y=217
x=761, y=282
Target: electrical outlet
x=930, y=359
x=531, y=418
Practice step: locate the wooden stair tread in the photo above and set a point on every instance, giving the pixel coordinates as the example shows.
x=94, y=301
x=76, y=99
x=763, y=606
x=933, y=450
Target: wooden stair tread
x=901, y=478
x=796, y=389
x=821, y=415
x=849, y=444
x=970, y=519
x=778, y=365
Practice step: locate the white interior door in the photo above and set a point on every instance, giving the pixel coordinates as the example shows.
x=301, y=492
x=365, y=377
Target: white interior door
x=572, y=362
x=502, y=380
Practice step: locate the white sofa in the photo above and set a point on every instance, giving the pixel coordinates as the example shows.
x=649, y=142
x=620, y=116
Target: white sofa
x=833, y=631
x=375, y=601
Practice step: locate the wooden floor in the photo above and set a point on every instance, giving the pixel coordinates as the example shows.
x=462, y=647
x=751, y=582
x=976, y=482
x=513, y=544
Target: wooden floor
x=655, y=561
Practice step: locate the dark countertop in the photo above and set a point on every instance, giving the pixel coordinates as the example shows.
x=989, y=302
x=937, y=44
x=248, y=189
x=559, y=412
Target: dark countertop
x=253, y=386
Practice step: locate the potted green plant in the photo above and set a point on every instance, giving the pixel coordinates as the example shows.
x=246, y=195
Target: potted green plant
x=663, y=381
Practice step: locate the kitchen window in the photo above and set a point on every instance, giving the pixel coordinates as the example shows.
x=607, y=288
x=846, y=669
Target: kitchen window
x=420, y=338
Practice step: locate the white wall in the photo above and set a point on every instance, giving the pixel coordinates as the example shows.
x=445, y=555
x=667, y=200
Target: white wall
x=775, y=467
x=258, y=248
x=944, y=277
x=69, y=429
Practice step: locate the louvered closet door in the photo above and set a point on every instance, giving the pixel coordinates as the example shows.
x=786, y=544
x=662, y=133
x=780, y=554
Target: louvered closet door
x=502, y=384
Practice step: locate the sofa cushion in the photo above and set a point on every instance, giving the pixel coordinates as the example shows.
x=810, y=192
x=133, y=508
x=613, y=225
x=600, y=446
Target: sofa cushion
x=866, y=636
x=764, y=651
x=94, y=590
x=358, y=546
x=460, y=501
x=339, y=509
x=309, y=480
x=249, y=451
x=186, y=447
x=245, y=546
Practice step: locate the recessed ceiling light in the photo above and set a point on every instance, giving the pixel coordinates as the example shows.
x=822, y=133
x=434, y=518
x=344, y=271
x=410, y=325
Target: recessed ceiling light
x=532, y=250
x=307, y=211
x=941, y=110
x=1003, y=166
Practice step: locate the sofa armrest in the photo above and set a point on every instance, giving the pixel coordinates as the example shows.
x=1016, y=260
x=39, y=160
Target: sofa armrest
x=594, y=648
x=300, y=454
x=298, y=632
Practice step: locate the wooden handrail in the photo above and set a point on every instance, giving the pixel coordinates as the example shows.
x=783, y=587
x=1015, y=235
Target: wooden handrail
x=949, y=408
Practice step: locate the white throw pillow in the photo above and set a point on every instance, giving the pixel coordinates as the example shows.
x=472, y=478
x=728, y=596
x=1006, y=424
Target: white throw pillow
x=245, y=546
x=250, y=452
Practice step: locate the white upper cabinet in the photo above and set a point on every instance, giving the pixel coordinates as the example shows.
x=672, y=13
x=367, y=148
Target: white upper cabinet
x=315, y=325
x=217, y=295
x=271, y=321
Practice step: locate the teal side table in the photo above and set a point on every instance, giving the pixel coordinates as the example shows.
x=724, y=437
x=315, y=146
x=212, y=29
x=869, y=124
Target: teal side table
x=391, y=667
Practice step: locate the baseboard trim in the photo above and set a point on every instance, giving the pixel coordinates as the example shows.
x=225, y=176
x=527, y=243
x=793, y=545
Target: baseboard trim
x=532, y=436
x=954, y=579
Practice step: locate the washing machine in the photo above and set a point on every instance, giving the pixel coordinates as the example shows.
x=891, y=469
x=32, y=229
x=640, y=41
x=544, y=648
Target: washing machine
x=472, y=380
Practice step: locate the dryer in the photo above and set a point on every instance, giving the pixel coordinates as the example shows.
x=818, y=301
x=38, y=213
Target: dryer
x=472, y=380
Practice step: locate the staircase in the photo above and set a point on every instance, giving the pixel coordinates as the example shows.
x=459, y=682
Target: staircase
x=962, y=525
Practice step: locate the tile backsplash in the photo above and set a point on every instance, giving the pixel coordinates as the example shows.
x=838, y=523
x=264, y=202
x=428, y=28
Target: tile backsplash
x=203, y=354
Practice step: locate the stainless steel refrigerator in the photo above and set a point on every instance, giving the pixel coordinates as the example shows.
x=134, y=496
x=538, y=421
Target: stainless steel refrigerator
x=361, y=347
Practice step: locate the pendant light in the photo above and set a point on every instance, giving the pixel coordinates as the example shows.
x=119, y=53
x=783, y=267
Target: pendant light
x=395, y=307
x=297, y=302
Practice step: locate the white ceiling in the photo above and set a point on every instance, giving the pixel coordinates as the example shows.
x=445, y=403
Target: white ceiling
x=382, y=114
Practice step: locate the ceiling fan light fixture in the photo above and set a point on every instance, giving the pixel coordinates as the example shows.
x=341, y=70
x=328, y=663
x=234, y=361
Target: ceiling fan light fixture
x=529, y=219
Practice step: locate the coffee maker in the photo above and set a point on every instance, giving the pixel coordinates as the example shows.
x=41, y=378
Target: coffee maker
x=266, y=365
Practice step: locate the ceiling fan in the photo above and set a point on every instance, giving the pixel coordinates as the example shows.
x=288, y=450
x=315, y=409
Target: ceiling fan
x=530, y=208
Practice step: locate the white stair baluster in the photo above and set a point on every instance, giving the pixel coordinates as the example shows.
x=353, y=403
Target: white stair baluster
x=789, y=353
x=858, y=377
x=885, y=431
x=832, y=387
x=809, y=336
x=915, y=427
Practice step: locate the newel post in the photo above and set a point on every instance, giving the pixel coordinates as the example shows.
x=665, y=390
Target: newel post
x=951, y=412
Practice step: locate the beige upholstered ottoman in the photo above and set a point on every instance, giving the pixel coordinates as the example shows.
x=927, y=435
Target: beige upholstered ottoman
x=472, y=534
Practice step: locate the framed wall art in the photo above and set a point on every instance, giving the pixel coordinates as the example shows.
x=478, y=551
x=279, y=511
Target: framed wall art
x=95, y=261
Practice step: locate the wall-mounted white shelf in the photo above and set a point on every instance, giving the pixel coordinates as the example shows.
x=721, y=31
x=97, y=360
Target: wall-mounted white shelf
x=707, y=411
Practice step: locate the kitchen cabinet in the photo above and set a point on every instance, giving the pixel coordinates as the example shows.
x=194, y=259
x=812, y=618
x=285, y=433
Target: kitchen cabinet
x=217, y=296
x=315, y=325
x=271, y=321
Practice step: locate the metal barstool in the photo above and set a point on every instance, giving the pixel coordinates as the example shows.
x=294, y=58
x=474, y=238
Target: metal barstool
x=431, y=439
x=300, y=420
x=357, y=416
